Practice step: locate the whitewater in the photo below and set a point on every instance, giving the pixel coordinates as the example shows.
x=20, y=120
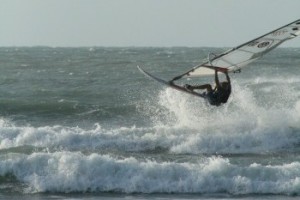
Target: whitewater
x=84, y=123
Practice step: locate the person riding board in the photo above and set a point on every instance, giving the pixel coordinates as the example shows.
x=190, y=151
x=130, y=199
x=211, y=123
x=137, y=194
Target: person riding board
x=219, y=94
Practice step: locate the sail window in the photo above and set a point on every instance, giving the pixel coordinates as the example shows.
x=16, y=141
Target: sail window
x=244, y=54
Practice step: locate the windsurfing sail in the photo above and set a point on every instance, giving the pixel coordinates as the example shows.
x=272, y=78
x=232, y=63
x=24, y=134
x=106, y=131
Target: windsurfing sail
x=236, y=58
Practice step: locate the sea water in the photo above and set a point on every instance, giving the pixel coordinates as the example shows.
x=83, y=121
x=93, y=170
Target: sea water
x=84, y=123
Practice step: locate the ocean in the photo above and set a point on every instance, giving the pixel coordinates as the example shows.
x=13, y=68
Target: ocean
x=84, y=123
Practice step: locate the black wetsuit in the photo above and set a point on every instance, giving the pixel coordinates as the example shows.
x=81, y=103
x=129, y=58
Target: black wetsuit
x=218, y=96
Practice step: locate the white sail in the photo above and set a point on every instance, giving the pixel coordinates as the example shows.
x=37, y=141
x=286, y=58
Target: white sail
x=240, y=56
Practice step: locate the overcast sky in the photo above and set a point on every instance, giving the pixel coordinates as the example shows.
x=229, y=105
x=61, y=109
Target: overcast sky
x=192, y=23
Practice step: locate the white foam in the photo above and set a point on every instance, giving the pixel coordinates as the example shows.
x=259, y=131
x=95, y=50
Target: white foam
x=246, y=124
x=97, y=138
x=205, y=131
x=75, y=172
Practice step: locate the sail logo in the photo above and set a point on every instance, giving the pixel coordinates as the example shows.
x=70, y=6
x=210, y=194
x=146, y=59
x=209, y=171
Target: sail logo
x=264, y=44
x=279, y=32
x=259, y=44
x=252, y=44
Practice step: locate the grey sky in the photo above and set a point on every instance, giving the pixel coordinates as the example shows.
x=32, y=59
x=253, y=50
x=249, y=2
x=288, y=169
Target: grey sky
x=193, y=23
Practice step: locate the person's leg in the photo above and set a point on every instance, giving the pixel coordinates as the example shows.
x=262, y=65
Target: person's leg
x=202, y=87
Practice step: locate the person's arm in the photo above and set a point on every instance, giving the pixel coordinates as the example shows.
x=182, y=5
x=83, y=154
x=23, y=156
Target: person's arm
x=217, y=79
x=227, y=77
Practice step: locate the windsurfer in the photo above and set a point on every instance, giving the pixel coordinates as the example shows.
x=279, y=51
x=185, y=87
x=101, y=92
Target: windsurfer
x=219, y=94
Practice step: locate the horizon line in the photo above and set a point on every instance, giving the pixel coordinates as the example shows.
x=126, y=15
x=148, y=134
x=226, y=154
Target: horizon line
x=129, y=46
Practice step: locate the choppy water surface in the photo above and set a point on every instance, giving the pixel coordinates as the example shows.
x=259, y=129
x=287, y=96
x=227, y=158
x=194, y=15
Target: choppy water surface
x=84, y=123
